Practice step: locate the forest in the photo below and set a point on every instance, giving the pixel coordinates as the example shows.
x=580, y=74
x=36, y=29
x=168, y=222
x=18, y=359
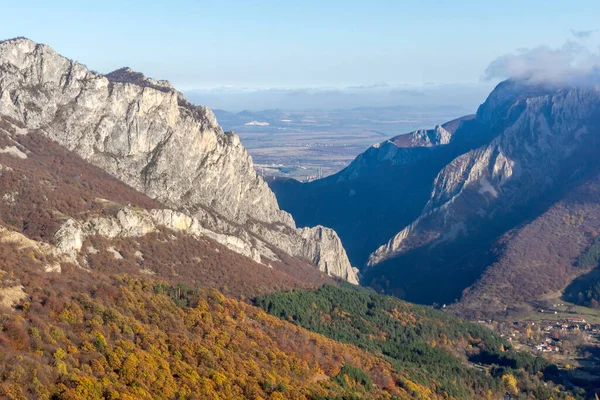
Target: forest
x=591, y=257
x=435, y=349
x=83, y=334
x=585, y=290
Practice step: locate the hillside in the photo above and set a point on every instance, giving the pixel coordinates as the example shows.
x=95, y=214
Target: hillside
x=434, y=349
x=585, y=290
x=540, y=257
x=107, y=294
x=86, y=216
x=137, y=316
x=83, y=334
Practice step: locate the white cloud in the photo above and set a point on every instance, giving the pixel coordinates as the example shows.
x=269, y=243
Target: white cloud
x=571, y=63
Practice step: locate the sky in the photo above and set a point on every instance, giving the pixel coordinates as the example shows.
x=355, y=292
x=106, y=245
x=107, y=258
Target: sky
x=238, y=53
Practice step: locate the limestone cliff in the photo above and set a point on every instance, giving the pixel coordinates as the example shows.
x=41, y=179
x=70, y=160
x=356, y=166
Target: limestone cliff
x=541, y=139
x=145, y=133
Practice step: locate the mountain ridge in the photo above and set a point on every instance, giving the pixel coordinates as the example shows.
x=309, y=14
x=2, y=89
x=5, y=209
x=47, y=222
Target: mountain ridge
x=153, y=139
x=503, y=156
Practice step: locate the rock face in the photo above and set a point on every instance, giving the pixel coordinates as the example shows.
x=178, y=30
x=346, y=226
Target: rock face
x=145, y=133
x=131, y=222
x=539, y=142
x=543, y=139
x=380, y=192
x=319, y=245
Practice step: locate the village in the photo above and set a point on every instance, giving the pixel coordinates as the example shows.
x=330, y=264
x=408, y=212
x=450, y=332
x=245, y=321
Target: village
x=552, y=335
x=572, y=342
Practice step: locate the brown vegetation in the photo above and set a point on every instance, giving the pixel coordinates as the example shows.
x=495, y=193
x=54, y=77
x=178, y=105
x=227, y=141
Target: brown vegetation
x=540, y=257
x=39, y=193
x=86, y=335
x=197, y=261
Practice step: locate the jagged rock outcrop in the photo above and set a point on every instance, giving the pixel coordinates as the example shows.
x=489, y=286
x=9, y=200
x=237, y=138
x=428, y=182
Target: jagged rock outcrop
x=319, y=245
x=130, y=222
x=323, y=247
x=145, y=133
x=140, y=131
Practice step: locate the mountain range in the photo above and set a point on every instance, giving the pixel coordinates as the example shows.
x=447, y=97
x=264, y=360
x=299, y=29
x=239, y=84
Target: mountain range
x=142, y=257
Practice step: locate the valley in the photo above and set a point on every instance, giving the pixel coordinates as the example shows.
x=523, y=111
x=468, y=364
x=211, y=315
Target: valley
x=486, y=217
x=486, y=211
x=307, y=145
x=145, y=255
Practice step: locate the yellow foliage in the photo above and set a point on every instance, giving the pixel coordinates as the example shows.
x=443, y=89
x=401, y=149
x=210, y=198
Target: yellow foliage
x=59, y=354
x=219, y=378
x=510, y=382
x=132, y=343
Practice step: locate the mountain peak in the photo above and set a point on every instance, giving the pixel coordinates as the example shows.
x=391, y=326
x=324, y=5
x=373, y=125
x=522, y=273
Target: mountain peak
x=11, y=49
x=16, y=39
x=510, y=93
x=128, y=75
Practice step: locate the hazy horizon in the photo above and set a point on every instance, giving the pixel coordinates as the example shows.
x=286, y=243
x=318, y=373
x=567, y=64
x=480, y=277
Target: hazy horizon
x=463, y=98
x=235, y=56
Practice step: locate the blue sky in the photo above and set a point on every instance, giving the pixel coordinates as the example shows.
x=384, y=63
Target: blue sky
x=298, y=44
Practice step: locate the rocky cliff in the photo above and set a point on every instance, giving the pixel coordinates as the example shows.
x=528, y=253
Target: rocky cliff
x=74, y=215
x=544, y=136
x=145, y=133
x=380, y=192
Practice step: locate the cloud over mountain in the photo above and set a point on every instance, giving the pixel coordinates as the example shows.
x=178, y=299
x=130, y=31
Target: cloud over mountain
x=571, y=64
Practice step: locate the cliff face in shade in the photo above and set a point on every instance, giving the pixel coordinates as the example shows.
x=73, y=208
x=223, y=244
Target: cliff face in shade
x=146, y=134
x=543, y=137
x=531, y=147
